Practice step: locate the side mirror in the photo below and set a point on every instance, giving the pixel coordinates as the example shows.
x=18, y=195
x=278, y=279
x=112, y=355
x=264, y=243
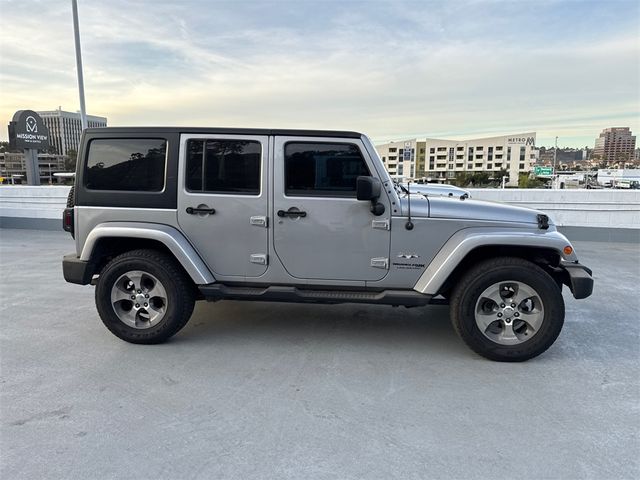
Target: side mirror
x=370, y=188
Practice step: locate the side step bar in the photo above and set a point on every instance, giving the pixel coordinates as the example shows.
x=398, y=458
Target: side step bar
x=277, y=293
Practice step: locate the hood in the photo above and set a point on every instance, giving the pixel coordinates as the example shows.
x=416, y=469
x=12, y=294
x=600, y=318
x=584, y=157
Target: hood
x=468, y=209
x=445, y=207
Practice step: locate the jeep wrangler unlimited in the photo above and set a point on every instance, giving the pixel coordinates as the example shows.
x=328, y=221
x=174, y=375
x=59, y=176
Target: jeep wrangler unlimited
x=163, y=217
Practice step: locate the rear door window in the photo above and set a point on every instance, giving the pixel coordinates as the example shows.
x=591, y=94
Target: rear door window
x=224, y=166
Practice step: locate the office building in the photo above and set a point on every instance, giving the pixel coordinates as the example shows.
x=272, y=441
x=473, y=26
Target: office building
x=441, y=160
x=65, y=128
x=615, y=145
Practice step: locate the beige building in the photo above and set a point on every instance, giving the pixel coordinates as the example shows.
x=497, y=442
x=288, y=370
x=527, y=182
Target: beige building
x=615, y=145
x=440, y=160
x=65, y=128
x=13, y=167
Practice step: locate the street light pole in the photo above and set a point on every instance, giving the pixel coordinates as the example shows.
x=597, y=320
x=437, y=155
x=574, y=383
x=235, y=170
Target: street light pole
x=76, y=34
x=555, y=158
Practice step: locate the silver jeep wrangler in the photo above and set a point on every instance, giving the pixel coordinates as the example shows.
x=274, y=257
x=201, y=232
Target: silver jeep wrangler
x=163, y=217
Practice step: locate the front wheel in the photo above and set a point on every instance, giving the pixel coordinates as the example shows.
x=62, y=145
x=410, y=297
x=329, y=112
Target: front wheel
x=507, y=309
x=143, y=296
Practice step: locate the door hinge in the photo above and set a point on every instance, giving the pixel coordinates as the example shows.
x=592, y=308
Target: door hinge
x=380, y=262
x=259, y=221
x=259, y=258
x=381, y=224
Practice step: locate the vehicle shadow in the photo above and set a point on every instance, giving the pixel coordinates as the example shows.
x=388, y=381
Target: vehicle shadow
x=354, y=325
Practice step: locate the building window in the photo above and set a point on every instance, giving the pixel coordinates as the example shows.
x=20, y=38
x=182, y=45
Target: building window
x=393, y=149
x=522, y=149
x=432, y=150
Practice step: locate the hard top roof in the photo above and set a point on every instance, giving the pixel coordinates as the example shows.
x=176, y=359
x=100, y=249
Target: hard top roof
x=226, y=130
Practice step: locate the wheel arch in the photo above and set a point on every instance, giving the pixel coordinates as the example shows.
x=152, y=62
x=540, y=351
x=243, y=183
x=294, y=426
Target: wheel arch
x=110, y=239
x=469, y=246
x=545, y=257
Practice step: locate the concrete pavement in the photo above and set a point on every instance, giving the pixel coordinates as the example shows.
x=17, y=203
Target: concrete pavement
x=258, y=390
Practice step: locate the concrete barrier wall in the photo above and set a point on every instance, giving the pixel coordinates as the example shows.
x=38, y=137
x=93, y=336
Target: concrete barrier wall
x=578, y=208
x=41, y=207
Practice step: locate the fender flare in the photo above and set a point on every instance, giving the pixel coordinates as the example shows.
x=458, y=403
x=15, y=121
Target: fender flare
x=466, y=240
x=170, y=237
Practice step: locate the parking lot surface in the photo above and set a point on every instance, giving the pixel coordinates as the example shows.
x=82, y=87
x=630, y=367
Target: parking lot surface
x=269, y=390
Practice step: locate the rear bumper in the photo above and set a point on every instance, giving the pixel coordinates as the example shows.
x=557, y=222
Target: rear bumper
x=578, y=278
x=76, y=270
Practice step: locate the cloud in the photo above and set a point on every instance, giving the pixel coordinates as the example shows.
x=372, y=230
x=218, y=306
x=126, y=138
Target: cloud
x=390, y=69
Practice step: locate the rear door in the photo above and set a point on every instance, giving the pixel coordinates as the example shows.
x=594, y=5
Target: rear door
x=222, y=201
x=321, y=231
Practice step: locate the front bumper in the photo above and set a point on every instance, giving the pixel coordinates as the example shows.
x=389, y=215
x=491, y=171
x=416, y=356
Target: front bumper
x=578, y=278
x=76, y=270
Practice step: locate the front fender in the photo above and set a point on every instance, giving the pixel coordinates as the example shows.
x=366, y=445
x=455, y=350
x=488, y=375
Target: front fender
x=466, y=240
x=168, y=236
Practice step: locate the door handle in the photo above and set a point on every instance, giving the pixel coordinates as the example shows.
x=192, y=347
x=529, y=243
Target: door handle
x=196, y=210
x=291, y=213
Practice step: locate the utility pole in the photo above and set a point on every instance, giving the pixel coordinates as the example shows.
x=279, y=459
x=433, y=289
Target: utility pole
x=555, y=158
x=76, y=33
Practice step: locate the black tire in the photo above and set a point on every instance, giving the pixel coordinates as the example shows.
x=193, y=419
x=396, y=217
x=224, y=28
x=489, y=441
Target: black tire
x=70, y=197
x=488, y=273
x=179, y=289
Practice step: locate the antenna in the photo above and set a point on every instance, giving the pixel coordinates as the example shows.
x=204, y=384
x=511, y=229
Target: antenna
x=409, y=224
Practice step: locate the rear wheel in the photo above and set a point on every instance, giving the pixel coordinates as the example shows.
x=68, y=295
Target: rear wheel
x=507, y=309
x=143, y=296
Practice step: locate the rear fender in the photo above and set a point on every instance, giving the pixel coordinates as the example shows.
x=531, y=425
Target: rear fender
x=170, y=237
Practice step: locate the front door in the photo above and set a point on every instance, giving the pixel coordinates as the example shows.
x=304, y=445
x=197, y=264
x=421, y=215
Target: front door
x=320, y=230
x=222, y=201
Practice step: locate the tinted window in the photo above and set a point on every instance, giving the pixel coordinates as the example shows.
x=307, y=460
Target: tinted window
x=224, y=166
x=325, y=169
x=135, y=164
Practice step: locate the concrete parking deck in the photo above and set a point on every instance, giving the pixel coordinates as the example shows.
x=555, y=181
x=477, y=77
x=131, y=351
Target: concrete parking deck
x=255, y=390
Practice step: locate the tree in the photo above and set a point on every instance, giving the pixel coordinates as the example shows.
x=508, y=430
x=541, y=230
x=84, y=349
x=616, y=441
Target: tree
x=70, y=161
x=526, y=180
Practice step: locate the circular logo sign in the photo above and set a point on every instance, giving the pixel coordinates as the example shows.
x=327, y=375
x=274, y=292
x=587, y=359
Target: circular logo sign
x=27, y=130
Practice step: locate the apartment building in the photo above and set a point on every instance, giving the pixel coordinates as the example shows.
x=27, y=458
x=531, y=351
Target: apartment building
x=13, y=167
x=441, y=160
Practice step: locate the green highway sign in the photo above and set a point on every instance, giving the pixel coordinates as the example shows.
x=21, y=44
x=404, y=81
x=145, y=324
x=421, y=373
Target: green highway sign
x=542, y=170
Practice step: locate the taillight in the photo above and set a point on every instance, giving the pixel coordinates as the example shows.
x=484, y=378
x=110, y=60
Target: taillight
x=67, y=220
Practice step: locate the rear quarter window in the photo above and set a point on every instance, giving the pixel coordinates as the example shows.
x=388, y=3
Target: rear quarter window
x=130, y=164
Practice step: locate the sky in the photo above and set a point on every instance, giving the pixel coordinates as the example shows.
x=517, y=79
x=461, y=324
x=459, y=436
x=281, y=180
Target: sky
x=391, y=69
